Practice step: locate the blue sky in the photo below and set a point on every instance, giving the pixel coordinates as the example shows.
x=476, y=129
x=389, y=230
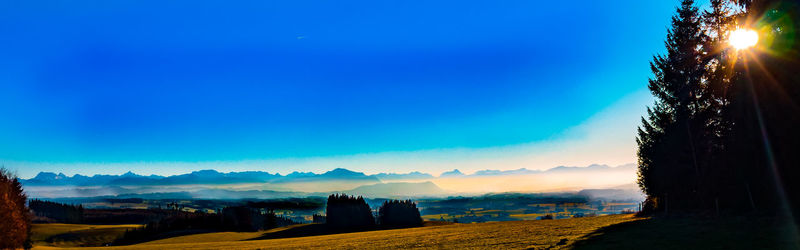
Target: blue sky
x=173, y=86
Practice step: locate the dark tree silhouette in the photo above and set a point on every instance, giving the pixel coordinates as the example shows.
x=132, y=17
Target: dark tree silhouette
x=15, y=220
x=318, y=218
x=48, y=211
x=765, y=108
x=237, y=218
x=723, y=133
x=670, y=154
x=345, y=211
x=397, y=213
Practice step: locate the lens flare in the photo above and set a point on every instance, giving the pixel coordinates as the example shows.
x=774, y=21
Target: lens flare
x=743, y=38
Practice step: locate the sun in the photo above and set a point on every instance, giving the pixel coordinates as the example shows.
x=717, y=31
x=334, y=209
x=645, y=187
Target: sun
x=743, y=38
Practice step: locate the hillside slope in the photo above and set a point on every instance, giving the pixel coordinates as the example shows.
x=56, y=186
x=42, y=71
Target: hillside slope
x=74, y=235
x=502, y=235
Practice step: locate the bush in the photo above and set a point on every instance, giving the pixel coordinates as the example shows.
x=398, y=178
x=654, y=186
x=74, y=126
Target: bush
x=396, y=213
x=15, y=218
x=345, y=211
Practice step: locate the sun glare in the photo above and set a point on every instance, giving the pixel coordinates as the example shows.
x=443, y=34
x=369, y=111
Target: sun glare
x=743, y=38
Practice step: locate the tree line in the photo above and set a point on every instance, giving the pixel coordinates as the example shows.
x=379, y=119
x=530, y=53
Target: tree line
x=48, y=211
x=230, y=219
x=351, y=212
x=724, y=131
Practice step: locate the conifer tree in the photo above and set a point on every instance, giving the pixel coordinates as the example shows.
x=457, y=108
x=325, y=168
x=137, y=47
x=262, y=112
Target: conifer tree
x=671, y=151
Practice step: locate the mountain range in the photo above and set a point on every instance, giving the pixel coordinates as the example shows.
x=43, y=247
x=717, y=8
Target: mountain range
x=211, y=184
x=213, y=177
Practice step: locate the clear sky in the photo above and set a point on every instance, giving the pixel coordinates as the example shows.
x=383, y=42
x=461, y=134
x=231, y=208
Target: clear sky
x=168, y=87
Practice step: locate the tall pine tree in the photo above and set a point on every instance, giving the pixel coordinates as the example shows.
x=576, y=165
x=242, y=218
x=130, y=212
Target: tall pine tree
x=671, y=151
x=723, y=132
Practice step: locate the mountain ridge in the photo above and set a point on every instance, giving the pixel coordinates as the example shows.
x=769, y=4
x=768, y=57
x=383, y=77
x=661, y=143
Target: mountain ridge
x=210, y=176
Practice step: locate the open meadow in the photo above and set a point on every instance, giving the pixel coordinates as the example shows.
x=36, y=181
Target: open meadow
x=601, y=232
x=506, y=235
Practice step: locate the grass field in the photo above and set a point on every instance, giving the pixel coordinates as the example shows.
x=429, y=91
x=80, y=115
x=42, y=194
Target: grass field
x=503, y=235
x=75, y=235
x=602, y=232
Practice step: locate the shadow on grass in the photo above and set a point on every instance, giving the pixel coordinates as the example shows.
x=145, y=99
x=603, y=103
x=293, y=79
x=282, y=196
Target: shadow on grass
x=322, y=229
x=307, y=230
x=694, y=233
x=85, y=238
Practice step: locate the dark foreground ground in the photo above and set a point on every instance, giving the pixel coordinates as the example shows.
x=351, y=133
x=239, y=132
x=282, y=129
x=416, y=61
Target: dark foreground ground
x=695, y=233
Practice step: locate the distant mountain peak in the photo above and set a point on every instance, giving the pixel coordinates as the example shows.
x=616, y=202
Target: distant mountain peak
x=45, y=175
x=408, y=176
x=341, y=172
x=206, y=171
x=598, y=166
x=300, y=174
x=453, y=173
x=129, y=174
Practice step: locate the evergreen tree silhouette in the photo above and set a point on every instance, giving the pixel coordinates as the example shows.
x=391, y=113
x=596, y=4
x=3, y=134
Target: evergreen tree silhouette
x=344, y=211
x=670, y=148
x=722, y=133
x=765, y=108
x=397, y=213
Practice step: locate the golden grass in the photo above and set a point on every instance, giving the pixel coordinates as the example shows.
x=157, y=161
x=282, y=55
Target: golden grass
x=70, y=235
x=218, y=237
x=494, y=235
x=526, y=216
x=435, y=216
